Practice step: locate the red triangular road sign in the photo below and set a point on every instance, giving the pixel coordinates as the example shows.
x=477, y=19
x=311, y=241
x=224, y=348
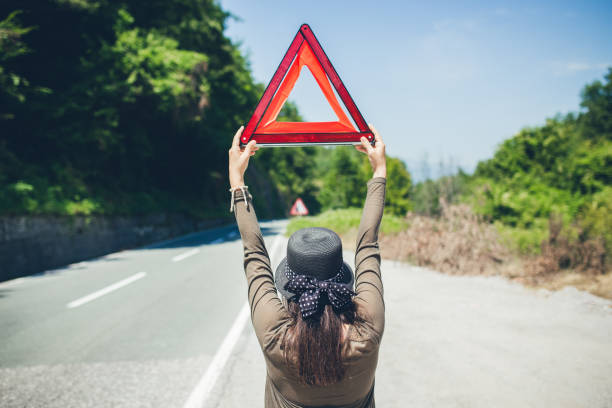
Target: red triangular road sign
x=298, y=208
x=305, y=50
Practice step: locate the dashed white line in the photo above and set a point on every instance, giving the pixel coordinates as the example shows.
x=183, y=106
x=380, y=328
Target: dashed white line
x=106, y=290
x=184, y=255
x=202, y=390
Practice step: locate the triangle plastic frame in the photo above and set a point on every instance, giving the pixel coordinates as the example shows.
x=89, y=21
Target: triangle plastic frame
x=305, y=50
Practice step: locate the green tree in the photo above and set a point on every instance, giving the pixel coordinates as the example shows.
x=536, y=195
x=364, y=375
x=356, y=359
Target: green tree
x=344, y=181
x=399, y=186
x=345, y=171
x=596, y=122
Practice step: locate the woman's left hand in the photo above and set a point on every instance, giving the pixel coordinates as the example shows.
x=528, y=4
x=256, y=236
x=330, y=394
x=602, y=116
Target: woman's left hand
x=239, y=159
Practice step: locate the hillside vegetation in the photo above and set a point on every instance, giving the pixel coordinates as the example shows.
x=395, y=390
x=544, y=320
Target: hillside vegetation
x=117, y=106
x=554, y=177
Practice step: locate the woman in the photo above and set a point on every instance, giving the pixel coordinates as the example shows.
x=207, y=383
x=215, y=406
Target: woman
x=321, y=338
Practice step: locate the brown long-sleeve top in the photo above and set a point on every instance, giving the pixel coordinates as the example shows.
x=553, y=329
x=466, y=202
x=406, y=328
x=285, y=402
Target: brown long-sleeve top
x=270, y=318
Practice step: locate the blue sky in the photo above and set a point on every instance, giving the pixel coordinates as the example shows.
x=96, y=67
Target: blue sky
x=440, y=80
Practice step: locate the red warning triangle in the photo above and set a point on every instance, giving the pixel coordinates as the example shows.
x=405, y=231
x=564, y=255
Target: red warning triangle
x=298, y=208
x=305, y=50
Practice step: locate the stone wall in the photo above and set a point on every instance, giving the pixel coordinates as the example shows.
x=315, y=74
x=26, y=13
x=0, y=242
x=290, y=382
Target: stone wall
x=32, y=244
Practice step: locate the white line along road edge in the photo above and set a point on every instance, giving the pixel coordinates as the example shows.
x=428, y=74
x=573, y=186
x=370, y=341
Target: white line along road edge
x=106, y=290
x=207, y=382
x=202, y=390
x=184, y=255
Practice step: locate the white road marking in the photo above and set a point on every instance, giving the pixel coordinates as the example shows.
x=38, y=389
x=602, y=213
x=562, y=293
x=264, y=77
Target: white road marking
x=275, y=246
x=202, y=390
x=106, y=290
x=184, y=255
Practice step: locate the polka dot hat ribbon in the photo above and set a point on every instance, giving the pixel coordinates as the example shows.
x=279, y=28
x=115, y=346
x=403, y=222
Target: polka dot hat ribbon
x=309, y=289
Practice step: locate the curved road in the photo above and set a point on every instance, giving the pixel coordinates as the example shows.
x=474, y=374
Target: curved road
x=164, y=326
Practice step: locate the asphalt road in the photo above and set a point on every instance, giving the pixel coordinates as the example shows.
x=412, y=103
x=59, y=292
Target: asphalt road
x=164, y=327
x=144, y=341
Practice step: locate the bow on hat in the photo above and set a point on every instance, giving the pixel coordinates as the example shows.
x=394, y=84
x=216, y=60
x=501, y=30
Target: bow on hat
x=309, y=290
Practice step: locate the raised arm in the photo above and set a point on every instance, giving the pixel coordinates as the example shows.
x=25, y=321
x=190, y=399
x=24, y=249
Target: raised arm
x=266, y=308
x=368, y=282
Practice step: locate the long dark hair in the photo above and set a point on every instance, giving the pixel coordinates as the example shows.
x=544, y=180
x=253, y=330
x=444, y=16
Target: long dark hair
x=314, y=345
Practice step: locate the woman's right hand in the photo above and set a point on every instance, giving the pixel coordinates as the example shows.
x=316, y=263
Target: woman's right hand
x=376, y=153
x=239, y=159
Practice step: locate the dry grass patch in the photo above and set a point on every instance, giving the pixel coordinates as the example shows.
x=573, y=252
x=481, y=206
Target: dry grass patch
x=457, y=243
x=460, y=243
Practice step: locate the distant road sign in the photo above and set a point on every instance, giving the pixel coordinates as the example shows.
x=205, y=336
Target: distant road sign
x=299, y=208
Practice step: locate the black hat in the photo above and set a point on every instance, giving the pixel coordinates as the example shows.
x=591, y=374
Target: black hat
x=314, y=252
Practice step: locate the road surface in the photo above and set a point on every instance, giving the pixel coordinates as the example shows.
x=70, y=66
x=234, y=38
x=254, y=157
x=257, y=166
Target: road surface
x=165, y=326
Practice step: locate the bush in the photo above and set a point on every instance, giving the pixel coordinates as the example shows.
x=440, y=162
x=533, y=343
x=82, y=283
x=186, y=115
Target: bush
x=456, y=242
x=525, y=241
x=596, y=217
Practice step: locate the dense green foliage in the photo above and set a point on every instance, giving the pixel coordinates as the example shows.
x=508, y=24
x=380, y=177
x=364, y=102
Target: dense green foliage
x=126, y=107
x=561, y=169
x=332, y=178
x=117, y=106
x=344, y=173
